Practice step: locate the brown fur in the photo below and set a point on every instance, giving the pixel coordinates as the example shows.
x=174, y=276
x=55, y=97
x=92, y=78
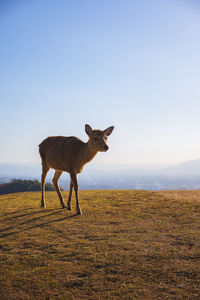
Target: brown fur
x=70, y=154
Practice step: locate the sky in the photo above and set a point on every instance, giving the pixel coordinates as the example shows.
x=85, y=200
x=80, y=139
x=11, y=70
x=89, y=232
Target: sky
x=131, y=64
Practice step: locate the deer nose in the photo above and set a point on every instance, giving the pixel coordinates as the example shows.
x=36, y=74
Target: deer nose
x=106, y=147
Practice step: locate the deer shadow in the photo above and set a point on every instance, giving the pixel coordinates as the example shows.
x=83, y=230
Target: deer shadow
x=25, y=214
x=4, y=232
x=15, y=212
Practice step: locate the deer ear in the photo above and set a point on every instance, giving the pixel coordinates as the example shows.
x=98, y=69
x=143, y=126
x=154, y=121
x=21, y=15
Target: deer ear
x=88, y=129
x=109, y=130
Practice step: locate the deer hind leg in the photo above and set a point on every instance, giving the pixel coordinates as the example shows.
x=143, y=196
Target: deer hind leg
x=55, y=182
x=45, y=169
x=70, y=196
x=75, y=184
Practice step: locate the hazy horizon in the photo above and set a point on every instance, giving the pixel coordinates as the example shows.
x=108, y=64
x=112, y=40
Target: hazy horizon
x=131, y=64
x=99, y=165
x=185, y=176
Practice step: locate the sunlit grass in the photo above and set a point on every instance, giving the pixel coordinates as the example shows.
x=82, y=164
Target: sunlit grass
x=126, y=245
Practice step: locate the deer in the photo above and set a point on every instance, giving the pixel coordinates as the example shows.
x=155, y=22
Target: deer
x=70, y=154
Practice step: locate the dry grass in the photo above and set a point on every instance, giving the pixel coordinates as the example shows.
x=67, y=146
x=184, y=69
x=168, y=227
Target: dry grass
x=126, y=245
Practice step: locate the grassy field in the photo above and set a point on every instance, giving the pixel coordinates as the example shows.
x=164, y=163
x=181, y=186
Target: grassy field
x=126, y=245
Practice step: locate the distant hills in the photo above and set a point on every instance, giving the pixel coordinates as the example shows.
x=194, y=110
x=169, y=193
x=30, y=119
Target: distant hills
x=185, y=175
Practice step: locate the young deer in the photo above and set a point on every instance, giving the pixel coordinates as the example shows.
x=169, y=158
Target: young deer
x=70, y=154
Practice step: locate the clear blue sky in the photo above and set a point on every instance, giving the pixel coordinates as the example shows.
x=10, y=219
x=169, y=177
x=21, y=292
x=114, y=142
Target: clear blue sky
x=132, y=64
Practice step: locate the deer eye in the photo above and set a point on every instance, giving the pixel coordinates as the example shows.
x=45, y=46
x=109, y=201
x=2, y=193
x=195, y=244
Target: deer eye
x=96, y=139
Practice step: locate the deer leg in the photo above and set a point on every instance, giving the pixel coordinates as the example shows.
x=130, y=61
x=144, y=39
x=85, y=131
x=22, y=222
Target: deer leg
x=70, y=196
x=75, y=184
x=55, y=182
x=45, y=170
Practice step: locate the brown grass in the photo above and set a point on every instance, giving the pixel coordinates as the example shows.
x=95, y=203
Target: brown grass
x=126, y=245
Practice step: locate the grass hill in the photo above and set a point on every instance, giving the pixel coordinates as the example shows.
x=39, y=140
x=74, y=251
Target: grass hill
x=126, y=245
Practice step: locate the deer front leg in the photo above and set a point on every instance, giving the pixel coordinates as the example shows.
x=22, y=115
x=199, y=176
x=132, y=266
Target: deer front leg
x=70, y=196
x=75, y=184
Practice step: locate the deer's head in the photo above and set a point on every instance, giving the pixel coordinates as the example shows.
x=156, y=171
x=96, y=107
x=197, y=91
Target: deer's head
x=98, y=138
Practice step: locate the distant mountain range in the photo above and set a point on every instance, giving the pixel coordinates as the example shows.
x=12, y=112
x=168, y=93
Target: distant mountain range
x=13, y=170
x=185, y=175
x=188, y=168
x=191, y=167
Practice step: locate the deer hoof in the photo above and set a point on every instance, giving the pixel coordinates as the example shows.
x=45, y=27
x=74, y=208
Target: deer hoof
x=79, y=212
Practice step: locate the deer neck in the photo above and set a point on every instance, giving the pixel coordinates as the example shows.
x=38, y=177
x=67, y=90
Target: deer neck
x=89, y=153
